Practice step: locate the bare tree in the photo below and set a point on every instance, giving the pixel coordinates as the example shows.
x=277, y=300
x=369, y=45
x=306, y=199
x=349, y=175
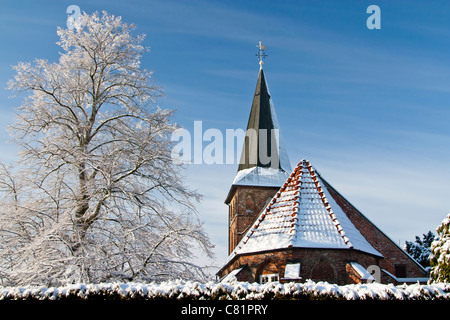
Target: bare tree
x=96, y=195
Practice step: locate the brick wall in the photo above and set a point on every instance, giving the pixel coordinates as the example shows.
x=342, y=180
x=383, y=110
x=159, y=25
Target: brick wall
x=393, y=255
x=316, y=264
x=245, y=205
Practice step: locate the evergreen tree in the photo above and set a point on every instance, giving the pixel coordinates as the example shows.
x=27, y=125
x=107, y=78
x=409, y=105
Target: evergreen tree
x=440, y=253
x=420, y=249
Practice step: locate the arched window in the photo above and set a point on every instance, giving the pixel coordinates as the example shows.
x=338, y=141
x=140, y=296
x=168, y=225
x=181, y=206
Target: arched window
x=268, y=272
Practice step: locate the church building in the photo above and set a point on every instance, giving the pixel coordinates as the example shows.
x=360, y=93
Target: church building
x=292, y=225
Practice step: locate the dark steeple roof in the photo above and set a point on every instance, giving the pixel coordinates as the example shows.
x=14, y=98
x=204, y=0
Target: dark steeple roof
x=264, y=160
x=260, y=118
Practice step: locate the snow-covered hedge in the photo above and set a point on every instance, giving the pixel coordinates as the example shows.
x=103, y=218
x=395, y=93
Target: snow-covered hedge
x=232, y=291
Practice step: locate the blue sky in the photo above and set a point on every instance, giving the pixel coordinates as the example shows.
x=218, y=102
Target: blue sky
x=368, y=108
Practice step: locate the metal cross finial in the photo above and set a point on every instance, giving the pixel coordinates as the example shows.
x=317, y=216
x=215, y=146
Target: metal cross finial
x=261, y=54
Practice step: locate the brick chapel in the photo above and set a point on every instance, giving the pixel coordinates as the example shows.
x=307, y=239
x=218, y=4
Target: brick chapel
x=292, y=225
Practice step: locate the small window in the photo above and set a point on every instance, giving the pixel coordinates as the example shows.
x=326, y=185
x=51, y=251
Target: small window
x=400, y=271
x=265, y=278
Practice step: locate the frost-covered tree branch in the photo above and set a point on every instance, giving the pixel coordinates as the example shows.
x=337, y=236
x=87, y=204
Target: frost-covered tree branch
x=96, y=194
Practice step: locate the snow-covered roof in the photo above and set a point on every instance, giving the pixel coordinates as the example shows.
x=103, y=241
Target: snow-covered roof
x=292, y=271
x=231, y=276
x=406, y=280
x=303, y=214
x=258, y=176
x=362, y=272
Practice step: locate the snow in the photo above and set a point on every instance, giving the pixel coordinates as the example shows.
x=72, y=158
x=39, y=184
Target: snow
x=259, y=176
x=231, y=276
x=179, y=289
x=440, y=252
x=292, y=271
x=404, y=280
x=364, y=274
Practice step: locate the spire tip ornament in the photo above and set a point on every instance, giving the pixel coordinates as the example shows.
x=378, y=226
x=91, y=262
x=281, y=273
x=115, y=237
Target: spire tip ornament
x=261, y=54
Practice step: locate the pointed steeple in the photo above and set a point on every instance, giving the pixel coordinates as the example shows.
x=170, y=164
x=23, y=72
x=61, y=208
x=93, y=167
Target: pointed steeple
x=260, y=123
x=264, y=164
x=264, y=160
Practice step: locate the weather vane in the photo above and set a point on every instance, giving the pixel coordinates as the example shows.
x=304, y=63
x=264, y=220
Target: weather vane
x=261, y=54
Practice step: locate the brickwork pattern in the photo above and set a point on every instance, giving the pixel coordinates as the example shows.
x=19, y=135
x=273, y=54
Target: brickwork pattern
x=316, y=264
x=244, y=207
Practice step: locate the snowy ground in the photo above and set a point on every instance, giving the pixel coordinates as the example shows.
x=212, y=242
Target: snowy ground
x=235, y=290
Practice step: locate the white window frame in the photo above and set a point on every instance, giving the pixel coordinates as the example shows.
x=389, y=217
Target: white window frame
x=271, y=277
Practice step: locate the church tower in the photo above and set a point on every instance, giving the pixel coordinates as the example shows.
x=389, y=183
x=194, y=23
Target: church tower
x=264, y=164
x=289, y=225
